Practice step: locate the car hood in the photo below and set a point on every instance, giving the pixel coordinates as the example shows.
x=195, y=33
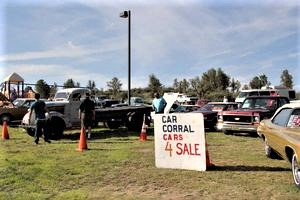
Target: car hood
x=205, y=112
x=245, y=111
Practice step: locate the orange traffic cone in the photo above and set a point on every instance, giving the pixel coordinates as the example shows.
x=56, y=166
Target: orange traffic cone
x=208, y=163
x=5, y=135
x=82, y=142
x=143, y=135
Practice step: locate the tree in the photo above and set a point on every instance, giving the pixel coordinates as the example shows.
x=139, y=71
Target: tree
x=43, y=88
x=92, y=86
x=286, y=79
x=195, y=85
x=222, y=79
x=212, y=81
x=176, y=85
x=154, y=84
x=184, y=86
x=69, y=83
x=259, y=81
x=245, y=87
x=53, y=90
x=235, y=85
x=114, y=86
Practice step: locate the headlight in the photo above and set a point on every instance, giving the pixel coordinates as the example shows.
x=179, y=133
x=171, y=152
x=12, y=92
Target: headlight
x=256, y=119
x=220, y=117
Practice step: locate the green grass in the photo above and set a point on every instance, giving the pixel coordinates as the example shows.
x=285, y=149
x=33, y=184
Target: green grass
x=122, y=167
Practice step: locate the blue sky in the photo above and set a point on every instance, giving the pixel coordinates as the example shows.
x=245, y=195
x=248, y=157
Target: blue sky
x=87, y=40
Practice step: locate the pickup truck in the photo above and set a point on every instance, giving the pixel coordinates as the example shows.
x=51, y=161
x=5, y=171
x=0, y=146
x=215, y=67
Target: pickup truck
x=14, y=112
x=248, y=116
x=63, y=114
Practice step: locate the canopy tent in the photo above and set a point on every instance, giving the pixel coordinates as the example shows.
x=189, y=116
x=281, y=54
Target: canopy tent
x=10, y=92
x=14, y=78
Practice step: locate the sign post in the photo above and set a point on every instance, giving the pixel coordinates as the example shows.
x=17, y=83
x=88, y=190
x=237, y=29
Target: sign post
x=180, y=141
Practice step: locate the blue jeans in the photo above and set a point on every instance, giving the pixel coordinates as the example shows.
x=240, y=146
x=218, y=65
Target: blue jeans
x=40, y=128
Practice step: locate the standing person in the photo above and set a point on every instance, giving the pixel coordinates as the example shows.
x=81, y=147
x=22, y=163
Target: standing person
x=87, y=113
x=158, y=103
x=40, y=109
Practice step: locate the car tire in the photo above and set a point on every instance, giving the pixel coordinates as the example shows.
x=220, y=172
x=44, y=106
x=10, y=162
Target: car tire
x=228, y=132
x=55, y=128
x=270, y=153
x=296, y=170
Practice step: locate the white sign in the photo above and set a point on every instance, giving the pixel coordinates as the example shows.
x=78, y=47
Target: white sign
x=180, y=141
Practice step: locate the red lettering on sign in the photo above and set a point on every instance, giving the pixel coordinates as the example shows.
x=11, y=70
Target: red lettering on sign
x=175, y=137
x=188, y=149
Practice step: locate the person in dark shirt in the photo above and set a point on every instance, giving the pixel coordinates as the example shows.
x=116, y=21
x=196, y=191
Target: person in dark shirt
x=40, y=109
x=87, y=114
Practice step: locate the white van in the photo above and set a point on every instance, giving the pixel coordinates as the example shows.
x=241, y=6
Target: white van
x=270, y=91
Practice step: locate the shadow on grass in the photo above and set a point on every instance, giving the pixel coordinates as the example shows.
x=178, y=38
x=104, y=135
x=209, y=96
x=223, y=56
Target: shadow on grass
x=243, y=168
x=103, y=134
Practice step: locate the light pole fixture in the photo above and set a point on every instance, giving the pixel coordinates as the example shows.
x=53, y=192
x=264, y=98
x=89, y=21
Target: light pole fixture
x=126, y=14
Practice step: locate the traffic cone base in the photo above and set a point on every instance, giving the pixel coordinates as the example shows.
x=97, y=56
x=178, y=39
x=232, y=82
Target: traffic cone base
x=143, y=135
x=82, y=141
x=5, y=134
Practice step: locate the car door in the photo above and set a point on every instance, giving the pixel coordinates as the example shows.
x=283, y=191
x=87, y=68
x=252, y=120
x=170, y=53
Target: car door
x=23, y=109
x=277, y=136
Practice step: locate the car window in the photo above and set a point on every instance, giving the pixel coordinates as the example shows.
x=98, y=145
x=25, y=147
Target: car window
x=264, y=93
x=28, y=104
x=282, y=102
x=294, y=120
x=206, y=107
x=282, y=117
x=253, y=93
x=18, y=102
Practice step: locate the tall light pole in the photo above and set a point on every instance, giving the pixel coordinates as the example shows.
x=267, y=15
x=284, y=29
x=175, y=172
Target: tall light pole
x=126, y=14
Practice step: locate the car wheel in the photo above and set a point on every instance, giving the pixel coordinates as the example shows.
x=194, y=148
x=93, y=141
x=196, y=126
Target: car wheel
x=55, y=128
x=228, y=132
x=296, y=170
x=268, y=150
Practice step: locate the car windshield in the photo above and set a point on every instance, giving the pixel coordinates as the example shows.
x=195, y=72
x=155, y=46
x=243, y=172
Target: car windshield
x=206, y=107
x=61, y=95
x=258, y=103
x=18, y=102
x=243, y=94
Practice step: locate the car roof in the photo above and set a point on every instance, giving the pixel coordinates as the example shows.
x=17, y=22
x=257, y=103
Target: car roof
x=291, y=105
x=265, y=97
x=25, y=99
x=223, y=103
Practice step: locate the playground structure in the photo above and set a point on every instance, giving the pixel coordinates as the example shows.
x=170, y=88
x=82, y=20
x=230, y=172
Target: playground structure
x=13, y=86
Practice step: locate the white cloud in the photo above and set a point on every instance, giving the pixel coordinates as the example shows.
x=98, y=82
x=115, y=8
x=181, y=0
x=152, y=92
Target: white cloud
x=177, y=39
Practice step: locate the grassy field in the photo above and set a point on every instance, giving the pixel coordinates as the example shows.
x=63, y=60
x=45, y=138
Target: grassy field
x=119, y=166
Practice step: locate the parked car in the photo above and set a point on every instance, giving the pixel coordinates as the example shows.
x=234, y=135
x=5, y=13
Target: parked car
x=107, y=103
x=210, y=112
x=13, y=113
x=135, y=101
x=246, y=119
x=281, y=135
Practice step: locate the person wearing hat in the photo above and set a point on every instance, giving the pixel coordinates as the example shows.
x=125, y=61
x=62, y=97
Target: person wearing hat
x=87, y=114
x=158, y=103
